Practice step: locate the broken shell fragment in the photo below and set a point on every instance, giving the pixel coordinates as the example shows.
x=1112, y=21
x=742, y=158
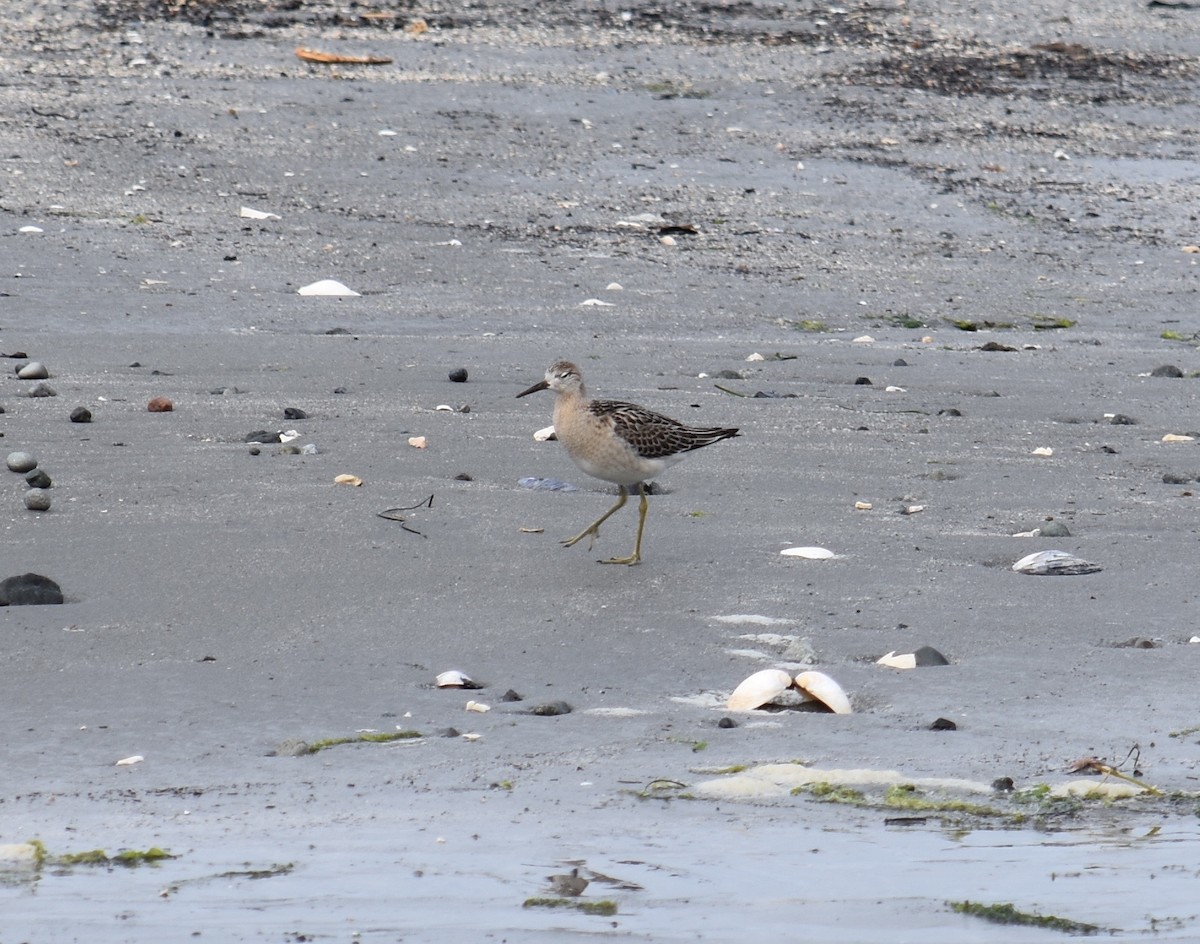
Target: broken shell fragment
x=455, y=679
x=417, y=442
x=1054, y=564
x=925, y=656
x=820, y=687
x=759, y=689
x=545, y=435
x=346, y=479
x=809, y=553
x=130, y=761
x=478, y=706
x=327, y=287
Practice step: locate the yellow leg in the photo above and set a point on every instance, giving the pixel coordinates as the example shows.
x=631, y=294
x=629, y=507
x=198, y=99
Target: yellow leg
x=593, y=529
x=643, y=507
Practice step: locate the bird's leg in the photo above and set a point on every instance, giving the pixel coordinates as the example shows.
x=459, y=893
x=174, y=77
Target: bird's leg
x=593, y=529
x=643, y=507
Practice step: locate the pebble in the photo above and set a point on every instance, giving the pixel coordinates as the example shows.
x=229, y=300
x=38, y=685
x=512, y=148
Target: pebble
x=1120, y=419
x=1054, y=529
x=21, y=462
x=262, y=436
x=997, y=347
x=294, y=413
x=81, y=414
x=160, y=405
x=458, y=375
x=29, y=590
x=551, y=709
x=38, y=479
x=37, y=499
x=292, y=747
x=727, y=722
x=899, y=362
x=862, y=382
x=34, y=370
x=943, y=724
x=1170, y=478
x=1166, y=370
x=42, y=389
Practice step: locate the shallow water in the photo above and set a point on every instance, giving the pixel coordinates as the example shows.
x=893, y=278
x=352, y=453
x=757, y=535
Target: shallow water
x=706, y=873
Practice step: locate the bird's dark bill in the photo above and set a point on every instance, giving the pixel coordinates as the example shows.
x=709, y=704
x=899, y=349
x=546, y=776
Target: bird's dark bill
x=540, y=385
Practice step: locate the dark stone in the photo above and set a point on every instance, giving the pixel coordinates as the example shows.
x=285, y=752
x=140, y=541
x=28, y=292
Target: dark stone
x=81, y=414
x=339, y=389
x=996, y=346
x=42, y=389
x=337, y=331
x=1170, y=478
x=262, y=436
x=722, y=375
x=727, y=722
x=950, y=411
x=863, y=382
x=1003, y=785
x=551, y=709
x=255, y=451
x=943, y=724
x=160, y=405
x=38, y=479
x=772, y=395
x=463, y=477
x=510, y=695
x=29, y=590
x=450, y=732
x=458, y=375
x=294, y=413
x=899, y=362
x=1120, y=419
x=1137, y=642
x=1054, y=529
x=927, y=655
x=1166, y=370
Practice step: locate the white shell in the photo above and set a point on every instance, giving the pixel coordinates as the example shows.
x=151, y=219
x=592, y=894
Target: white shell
x=478, y=706
x=809, y=553
x=249, y=213
x=758, y=689
x=545, y=435
x=1043, y=451
x=1177, y=437
x=820, y=687
x=903, y=661
x=130, y=761
x=454, y=679
x=444, y=408
x=417, y=442
x=1054, y=563
x=327, y=287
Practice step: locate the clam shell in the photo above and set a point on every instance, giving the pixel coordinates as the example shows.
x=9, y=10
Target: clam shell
x=1054, y=564
x=809, y=553
x=347, y=479
x=820, y=687
x=455, y=679
x=545, y=434
x=898, y=661
x=758, y=689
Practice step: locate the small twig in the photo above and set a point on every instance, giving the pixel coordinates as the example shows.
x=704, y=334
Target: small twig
x=393, y=514
x=732, y=393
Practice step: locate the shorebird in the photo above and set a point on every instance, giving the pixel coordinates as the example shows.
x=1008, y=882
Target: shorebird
x=618, y=442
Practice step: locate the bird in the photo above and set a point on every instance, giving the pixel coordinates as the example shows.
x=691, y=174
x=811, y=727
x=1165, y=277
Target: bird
x=618, y=442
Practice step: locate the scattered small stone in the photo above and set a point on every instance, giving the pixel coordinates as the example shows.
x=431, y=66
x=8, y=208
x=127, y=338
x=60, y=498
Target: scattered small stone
x=339, y=331
x=450, y=733
x=996, y=346
x=42, y=389
x=292, y=747
x=1170, y=478
x=927, y=656
x=551, y=709
x=262, y=436
x=458, y=375
x=728, y=375
x=29, y=590
x=772, y=395
x=1120, y=419
x=309, y=449
x=1054, y=529
x=21, y=462
x=463, y=477
x=227, y=391
x=34, y=370
x=1110, y=450
x=339, y=389
x=863, y=382
x=1166, y=370
x=1003, y=785
x=37, y=499
x=950, y=411
x=943, y=724
x=511, y=695
x=38, y=479
x=254, y=451
x=81, y=414
x=160, y=405
x=1137, y=642
x=727, y=722
x=899, y=362
x=294, y=413
x=465, y=408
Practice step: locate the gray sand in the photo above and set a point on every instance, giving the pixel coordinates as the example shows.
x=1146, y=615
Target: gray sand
x=883, y=172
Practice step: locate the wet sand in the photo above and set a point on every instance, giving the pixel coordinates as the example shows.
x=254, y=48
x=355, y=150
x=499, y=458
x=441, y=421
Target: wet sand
x=894, y=174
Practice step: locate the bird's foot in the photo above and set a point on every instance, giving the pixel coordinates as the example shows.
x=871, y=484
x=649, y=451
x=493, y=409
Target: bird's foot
x=590, y=533
x=632, y=559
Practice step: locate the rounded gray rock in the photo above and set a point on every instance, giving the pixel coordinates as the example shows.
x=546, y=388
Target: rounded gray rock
x=37, y=499
x=38, y=479
x=34, y=370
x=21, y=462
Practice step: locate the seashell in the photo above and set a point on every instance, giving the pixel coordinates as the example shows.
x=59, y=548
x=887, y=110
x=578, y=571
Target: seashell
x=1176, y=437
x=1054, y=564
x=809, y=553
x=892, y=388
x=820, y=687
x=912, y=509
x=327, y=287
x=925, y=656
x=249, y=213
x=862, y=506
x=892, y=660
x=1043, y=451
x=469, y=736
x=863, y=339
x=759, y=689
x=30, y=229
x=478, y=707
x=455, y=679
x=755, y=357
x=614, y=287
x=130, y=761
x=444, y=408
x=288, y=435
x=545, y=435
x=596, y=303
x=417, y=442
x=346, y=479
